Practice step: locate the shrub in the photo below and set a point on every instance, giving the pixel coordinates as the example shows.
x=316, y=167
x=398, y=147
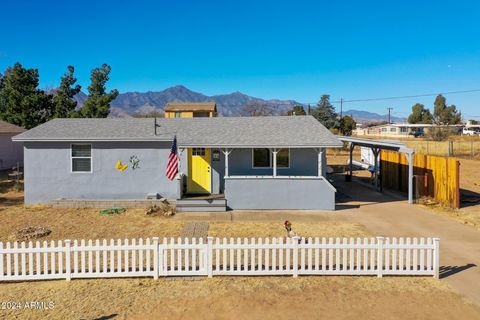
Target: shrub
x=438, y=134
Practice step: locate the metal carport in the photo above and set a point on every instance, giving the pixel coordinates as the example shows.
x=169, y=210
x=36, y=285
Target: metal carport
x=376, y=146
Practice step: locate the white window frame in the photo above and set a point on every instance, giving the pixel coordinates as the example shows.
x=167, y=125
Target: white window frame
x=271, y=159
x=72, y=157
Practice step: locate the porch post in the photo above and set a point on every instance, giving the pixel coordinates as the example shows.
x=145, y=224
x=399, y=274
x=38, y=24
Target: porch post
x=226, y=152
x=274, y=151
x=320, y=152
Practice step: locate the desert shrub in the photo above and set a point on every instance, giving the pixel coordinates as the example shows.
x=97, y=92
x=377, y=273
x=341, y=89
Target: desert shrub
x=438, y=134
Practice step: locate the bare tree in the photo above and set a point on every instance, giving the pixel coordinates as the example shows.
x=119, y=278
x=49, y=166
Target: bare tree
x=257, y=109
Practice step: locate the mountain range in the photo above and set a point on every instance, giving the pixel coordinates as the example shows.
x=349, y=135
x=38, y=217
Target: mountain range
x=130, y=103
x=361, y=116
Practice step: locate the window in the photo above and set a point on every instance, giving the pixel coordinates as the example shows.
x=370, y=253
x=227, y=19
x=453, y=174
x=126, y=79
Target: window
x=403, y=129
x=178, y=114
x=81, y=158
x=198, y=152
x=384, y=129
x=201, y=114
x=393, y=129
x=283, y=158
x=262, y=158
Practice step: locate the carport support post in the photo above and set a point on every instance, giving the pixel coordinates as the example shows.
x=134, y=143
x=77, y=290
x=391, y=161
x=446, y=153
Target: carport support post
x=352, y=145
x=376, y=152
x=409, y=156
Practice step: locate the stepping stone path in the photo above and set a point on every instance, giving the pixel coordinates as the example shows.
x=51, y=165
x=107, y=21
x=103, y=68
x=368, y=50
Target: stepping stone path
x=195, y=230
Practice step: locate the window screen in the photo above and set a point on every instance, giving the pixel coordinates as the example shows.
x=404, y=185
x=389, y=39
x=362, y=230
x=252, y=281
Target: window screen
x=81, y=158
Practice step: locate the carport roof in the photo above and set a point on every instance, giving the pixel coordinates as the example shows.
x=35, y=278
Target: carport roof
x=274, y=131
x=378, y=144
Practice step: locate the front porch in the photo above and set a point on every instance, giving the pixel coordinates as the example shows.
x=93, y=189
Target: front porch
x=257, y=178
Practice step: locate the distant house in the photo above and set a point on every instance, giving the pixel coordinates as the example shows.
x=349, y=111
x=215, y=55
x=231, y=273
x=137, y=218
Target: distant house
x=398, y=130
x=11, y=153
x=243, y=162
x=190, y=109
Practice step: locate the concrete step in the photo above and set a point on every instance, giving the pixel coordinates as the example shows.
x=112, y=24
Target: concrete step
x=201, y=205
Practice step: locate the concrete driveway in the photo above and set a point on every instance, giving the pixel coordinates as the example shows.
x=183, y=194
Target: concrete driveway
x=388, y=216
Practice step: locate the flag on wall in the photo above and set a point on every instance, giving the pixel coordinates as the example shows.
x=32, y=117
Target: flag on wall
x=172, y=165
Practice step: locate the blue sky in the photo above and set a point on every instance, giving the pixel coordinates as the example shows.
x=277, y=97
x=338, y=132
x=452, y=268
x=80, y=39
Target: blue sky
x=270, y=49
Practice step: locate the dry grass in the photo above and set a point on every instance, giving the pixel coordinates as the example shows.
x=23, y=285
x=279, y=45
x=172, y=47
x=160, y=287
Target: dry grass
x=220, y=297
x=85, y=223
x=276, y=229
x=242, y=298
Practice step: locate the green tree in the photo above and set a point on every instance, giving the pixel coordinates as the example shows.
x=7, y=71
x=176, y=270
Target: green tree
x=443, y=114
x=420, y=115
x=346, y=125
x=297, y=110
x=98, y=101
x=21, y=102
x=325, y=113
x=64, y=103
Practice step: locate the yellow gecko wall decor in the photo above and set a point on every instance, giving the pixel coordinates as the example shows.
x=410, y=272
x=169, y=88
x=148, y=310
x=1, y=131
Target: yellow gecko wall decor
x=120, y=166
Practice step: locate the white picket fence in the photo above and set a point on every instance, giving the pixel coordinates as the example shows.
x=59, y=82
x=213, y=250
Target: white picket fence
x=183, y=257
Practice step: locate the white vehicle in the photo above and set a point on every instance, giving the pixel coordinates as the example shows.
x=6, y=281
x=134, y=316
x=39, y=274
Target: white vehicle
x=470, y=132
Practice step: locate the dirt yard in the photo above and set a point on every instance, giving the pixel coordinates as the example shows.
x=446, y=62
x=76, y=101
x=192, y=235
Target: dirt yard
x=219, y=297
x=241, y=298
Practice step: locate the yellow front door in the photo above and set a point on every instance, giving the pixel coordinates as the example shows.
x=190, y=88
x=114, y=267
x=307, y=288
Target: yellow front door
x=199, y=176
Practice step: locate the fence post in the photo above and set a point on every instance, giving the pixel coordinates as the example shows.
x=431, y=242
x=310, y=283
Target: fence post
x=209, y=259
x=68, y=267
x=379, y=256
x=295, y=240
x=155, y=258
x=436, y=258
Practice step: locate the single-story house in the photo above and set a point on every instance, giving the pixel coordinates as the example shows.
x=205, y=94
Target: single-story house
x=11, y=153
x=276, y=162
x=397, y=130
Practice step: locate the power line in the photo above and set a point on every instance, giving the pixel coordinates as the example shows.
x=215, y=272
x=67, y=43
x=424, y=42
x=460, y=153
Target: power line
x=341, y=101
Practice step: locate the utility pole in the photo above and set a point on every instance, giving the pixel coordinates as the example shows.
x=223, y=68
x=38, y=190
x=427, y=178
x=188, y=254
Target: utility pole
x=389, y=111
x=341, y=108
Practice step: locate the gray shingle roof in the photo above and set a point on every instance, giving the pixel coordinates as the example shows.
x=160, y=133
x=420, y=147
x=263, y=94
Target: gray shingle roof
x=280, y=131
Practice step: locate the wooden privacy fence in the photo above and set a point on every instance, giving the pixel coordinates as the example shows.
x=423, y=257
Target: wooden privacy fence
x=436, y=177
x=233, y=257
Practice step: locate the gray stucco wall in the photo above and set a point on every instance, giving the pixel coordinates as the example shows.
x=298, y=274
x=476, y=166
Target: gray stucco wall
x=48, y=173
x=279, y=193
x=10, y=152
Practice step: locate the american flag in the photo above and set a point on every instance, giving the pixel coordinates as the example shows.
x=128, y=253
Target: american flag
x=172, y=165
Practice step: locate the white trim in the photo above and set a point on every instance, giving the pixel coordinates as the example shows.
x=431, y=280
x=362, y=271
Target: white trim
x=218, y=146
x=72, y=157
